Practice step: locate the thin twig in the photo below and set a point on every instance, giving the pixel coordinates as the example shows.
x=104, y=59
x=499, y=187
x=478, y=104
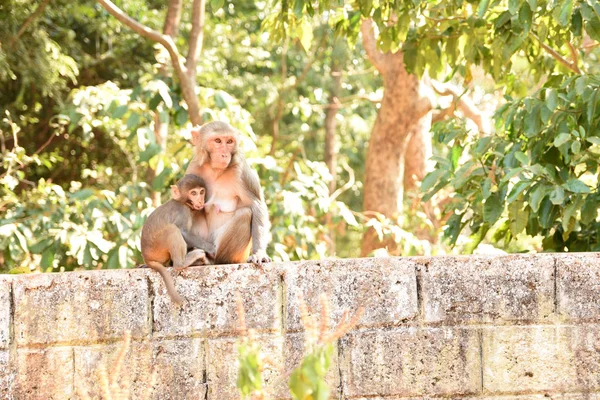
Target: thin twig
x=28, y=22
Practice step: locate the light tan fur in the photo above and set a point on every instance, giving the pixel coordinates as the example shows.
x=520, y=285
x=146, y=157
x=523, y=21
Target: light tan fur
x=236, y=216
x=167, y=233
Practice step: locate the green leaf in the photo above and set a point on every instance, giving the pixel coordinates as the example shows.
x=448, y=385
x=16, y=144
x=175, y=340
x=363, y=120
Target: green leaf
x=563, y=13
x=220, y=100
x=518, y=217
x=551, y=99
x=557, y=195
x=522, y=157
x=576, y=186
x=216, y=5
x=120, y=111
x=492, y=209
x=47, y=260
x=482, y=8
x=589, y=211
x=575, y=147
x=453, y=228
x=547, y=213
x=561, y=139
x=537, y=195
x=513, y=6
x=133, y=121
x=593, y=139
x=82, y=194
x=152, y=150
x=432, y=178
x=517, y=190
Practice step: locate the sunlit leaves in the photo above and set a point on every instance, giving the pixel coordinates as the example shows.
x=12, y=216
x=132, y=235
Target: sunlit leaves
x=549, y=168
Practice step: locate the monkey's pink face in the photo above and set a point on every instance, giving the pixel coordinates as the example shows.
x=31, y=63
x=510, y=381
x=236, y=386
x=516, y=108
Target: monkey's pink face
x=221, y=149
x=196, y=198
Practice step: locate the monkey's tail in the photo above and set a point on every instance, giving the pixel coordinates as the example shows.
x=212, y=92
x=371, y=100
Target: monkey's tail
x=158, y=267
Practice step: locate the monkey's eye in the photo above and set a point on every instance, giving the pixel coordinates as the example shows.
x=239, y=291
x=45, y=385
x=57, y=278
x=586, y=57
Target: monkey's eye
x=218, y=140
x=230, y=141
x=194, y=193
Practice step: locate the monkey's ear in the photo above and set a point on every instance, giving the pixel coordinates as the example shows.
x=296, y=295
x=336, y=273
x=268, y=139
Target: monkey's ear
x=196, y=134
x=175, y=193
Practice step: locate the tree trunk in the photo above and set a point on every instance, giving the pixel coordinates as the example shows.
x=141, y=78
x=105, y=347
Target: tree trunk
x=404, y=113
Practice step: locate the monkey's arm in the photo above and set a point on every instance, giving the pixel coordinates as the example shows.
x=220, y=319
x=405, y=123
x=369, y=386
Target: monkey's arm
x=193, y=240
x=261, y=225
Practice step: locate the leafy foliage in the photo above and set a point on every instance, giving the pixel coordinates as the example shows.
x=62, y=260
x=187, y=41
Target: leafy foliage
x=539, y=175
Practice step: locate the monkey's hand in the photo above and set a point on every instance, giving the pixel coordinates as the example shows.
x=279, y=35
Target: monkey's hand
x=259, y=258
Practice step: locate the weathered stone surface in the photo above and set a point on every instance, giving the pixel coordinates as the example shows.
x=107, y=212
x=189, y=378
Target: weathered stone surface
x=545, y=396
x=210, y=306
x=479, y=289
x=411, y=362
x=4, y=314
x=80, y=306
x=293, y=352
x=578, y=286
x=181, y=370
x=222, y=365
x=7, y=375
x=96, y=367
x=171, y=369
x=536, y=359
x=387, y=288
x=45, y=374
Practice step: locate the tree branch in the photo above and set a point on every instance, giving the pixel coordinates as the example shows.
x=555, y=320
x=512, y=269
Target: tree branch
x=573, y=67
x=171, y=27
x=463, y=103
x=196, y=36
x=148, y=33
x=38, y=11
x=376, y=56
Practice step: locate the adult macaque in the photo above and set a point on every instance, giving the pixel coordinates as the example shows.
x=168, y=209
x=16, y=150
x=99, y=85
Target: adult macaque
x=167, y=234
x=236, y=216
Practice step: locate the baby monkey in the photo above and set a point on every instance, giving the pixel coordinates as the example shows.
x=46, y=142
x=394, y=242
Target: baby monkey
x=166, y=234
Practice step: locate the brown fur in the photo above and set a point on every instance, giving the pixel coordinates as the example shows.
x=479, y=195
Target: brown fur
x=236, y=216
x=166, y=234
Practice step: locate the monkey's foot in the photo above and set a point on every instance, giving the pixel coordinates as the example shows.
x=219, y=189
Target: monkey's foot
x=197, y=257
x=259, y=258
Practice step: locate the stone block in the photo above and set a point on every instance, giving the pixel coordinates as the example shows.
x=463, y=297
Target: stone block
x=7, y=375
x=45, y=374
x=578, y=286
x=386, y=287
x=80, y=307
x=209, y=300
x=222, y=365
x=411, y=362
x=181, y=370
x=171, y=369
x=293, y=352
x=280, y=354
x=539, y=359
x=5, y=318
x=492, y=289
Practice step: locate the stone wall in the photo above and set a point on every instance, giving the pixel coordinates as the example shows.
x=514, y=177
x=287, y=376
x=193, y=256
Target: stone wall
x=510, y=327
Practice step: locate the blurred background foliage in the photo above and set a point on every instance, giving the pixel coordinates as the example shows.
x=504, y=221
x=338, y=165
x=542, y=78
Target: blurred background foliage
x=81, y=94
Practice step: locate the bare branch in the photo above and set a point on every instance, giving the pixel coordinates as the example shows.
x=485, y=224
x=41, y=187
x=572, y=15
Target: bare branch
x=461, y=102
x=376, y=56
x=556, y=56
x=196, y=36
x=38, y=11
